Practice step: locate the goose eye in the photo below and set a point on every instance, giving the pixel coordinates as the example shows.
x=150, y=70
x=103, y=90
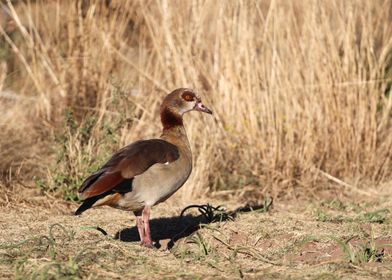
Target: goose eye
x=188, y=96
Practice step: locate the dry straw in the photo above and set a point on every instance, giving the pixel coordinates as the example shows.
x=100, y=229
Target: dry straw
x=298, y=88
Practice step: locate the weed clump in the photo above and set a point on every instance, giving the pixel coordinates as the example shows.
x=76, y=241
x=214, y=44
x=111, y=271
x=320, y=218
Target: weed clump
x=82, y=146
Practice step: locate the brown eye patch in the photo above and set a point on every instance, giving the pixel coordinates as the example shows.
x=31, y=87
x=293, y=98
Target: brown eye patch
x=188, y=96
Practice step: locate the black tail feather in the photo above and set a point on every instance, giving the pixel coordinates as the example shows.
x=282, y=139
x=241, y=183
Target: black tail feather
x=123, y=187
x=85, y=205
x=88, y=203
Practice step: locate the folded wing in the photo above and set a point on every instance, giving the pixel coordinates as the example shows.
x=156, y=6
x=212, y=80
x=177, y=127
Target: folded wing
x=127, y=163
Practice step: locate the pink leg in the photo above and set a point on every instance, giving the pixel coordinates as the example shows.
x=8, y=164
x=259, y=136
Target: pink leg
x=146, y=220
x=140, y=226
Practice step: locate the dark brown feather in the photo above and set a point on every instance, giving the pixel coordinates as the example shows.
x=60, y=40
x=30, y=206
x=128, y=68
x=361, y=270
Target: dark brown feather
x=170, y=119
x=130, y=161
x=103, y=184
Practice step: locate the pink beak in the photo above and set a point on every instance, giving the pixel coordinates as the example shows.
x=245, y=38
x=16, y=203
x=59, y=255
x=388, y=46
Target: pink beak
x=200, y=107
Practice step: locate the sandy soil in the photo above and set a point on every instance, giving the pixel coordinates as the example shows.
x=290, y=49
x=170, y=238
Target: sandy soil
x=331, y=239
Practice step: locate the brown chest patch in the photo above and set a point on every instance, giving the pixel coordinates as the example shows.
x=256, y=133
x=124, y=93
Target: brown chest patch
x=170, y=119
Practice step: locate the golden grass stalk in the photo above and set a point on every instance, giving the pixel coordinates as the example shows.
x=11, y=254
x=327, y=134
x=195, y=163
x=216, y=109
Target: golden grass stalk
x=296, y=86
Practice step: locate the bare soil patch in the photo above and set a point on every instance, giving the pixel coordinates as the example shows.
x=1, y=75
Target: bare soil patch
x=40, y=238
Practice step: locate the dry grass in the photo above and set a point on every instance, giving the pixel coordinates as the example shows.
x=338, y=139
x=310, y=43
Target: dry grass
x=298, y=88
x=301, y=97
x=48, y=242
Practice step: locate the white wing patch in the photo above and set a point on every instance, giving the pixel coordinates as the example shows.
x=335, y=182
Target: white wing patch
x=166, y=163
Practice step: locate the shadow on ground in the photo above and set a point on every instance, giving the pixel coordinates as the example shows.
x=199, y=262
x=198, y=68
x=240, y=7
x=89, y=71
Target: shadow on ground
x=175, y=228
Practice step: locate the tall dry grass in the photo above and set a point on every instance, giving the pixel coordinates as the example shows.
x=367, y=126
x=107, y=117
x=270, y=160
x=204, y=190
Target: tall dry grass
x=298, y=88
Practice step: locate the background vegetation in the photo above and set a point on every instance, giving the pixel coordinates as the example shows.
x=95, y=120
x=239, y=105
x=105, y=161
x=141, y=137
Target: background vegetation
x=299, y=148
x=300, y=89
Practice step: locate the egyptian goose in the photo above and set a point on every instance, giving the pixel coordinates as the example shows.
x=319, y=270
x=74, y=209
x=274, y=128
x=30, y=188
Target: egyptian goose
x=146, y=172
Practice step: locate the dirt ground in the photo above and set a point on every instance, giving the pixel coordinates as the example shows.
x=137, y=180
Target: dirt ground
x=338, y=238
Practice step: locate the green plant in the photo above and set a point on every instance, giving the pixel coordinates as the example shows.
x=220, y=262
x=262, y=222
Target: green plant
x=379, y=216
x=334, y=204
x=267, y=205
x=82, y=146
x=323, y=216
x=204, y=246
x=47, y=249
x=361, y=252
x=388, y=73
